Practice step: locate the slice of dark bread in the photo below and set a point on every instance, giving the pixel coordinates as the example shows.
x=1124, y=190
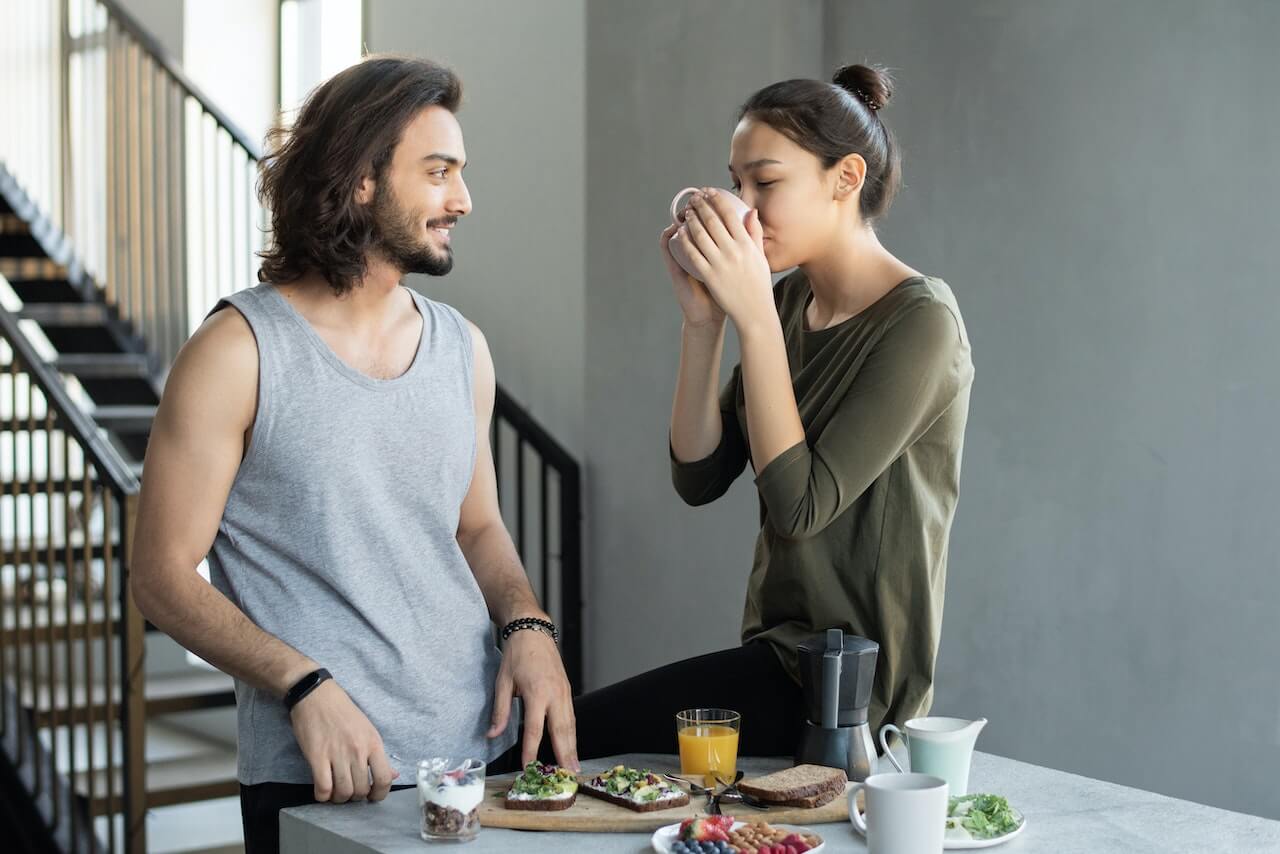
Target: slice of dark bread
x=540, y=804
x=632, y=803
x=811, y=802
x=801, y=783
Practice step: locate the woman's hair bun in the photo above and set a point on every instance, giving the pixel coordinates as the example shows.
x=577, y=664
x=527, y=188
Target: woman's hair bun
x=871, y=86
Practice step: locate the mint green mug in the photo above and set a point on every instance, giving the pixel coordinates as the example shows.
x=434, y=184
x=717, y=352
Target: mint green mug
x=942, y=747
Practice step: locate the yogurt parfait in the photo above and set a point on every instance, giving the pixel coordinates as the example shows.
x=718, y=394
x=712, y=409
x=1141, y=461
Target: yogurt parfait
x=449, y=794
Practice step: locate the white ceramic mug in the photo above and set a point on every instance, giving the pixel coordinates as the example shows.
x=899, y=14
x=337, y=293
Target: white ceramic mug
x=906, y=813
x=676, y=244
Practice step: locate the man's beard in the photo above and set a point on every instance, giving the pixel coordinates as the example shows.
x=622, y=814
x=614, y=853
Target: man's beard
x=397, y=235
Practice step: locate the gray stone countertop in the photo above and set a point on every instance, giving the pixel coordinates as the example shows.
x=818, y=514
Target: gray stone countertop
x=1066, y=814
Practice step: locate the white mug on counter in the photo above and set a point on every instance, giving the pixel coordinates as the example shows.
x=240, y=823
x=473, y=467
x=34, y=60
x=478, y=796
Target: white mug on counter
x=906, y=813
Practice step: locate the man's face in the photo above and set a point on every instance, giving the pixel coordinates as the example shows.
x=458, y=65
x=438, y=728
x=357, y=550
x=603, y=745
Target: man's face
x=421, y=195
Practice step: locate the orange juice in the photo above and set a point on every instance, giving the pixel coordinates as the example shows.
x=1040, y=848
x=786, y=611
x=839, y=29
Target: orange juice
x=709, y=750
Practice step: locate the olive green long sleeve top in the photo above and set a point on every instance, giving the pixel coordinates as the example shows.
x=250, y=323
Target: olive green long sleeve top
x=854, y=520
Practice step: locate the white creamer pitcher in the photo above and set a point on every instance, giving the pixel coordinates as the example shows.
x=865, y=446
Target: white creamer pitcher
x=942, y=747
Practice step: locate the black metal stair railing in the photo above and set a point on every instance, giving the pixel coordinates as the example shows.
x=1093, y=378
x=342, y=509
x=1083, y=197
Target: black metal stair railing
x=67, y=623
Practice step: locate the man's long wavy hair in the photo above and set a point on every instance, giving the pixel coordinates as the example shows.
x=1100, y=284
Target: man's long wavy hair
x=348, y=128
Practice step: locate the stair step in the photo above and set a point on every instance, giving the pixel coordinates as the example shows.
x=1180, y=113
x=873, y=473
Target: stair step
x=66, y=314
x=172, y=781
x=21, y=556
x=20, y=246
x=127, y=418
x=11, y=223
x=24, y=624
x=104, y=365
x=31, y=268
x=44, y=290
x=24, y=485
x=166, y=693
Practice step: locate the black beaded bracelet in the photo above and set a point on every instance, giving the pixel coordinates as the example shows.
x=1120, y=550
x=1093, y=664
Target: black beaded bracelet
x=545, y=626
x=305, y=686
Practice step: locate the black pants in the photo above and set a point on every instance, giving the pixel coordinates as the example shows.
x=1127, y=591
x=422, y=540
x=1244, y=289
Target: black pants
x=638, y=715
x=260, y=807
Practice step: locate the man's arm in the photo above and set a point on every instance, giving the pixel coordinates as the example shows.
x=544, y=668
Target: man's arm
x=196, y=444
x=531, y=665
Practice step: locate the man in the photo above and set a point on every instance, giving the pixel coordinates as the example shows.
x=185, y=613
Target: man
x=323, y=439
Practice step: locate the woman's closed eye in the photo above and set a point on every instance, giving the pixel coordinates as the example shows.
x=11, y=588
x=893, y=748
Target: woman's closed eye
x=737, y=188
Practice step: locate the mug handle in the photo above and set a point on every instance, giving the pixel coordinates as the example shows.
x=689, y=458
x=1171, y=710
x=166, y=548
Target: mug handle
x=675, y=203
x=855, y=816
x=884, y=742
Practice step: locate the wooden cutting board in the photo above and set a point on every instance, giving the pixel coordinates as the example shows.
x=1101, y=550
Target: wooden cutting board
x=592, y=815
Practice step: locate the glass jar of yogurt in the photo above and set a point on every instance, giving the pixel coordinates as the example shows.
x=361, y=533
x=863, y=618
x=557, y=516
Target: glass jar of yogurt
x=449, y=794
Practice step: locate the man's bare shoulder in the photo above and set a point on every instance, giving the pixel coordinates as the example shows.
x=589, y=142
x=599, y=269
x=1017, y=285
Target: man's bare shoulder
x=225, y=343
x=216, y=369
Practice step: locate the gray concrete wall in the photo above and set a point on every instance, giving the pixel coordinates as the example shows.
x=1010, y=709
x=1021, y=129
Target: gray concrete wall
x=664, y=83
x=163, y=19
x=519, y=271
x=1098, y=182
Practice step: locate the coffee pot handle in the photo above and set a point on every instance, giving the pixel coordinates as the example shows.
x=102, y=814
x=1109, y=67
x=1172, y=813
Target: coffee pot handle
x=884, y=742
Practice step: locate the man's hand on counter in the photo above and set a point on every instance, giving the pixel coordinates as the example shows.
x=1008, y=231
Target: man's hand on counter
x=532, y=670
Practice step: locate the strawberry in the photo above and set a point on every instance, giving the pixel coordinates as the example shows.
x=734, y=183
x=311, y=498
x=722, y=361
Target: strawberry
x=712, y=828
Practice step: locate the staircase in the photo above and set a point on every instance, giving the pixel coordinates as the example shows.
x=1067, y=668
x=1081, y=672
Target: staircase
x=126, y=210
x=66, y=715
x=93, y=345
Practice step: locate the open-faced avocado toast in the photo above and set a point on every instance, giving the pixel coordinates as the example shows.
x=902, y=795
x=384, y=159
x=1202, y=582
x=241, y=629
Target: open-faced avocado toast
x=639, y=790
x=542, y=787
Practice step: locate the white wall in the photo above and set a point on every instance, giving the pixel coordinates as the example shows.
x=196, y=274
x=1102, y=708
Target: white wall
x=519, y=268
x=230, y=51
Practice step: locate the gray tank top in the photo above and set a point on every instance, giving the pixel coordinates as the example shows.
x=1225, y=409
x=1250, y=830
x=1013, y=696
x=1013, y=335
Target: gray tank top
x=339, y=538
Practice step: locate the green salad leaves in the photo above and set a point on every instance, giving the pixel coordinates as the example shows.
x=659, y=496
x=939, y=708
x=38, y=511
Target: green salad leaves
x=983, y=816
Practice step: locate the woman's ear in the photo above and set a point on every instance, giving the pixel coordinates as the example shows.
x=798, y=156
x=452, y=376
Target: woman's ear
x=850, y=173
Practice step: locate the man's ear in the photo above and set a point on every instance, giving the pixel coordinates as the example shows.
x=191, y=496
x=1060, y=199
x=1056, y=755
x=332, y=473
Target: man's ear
x=850, y=173
x=365, y=190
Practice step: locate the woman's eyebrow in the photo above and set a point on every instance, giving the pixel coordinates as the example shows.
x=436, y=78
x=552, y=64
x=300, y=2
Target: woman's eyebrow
x=757, y=163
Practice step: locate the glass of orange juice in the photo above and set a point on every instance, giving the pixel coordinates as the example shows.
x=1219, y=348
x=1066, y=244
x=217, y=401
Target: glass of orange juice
x=708, y=743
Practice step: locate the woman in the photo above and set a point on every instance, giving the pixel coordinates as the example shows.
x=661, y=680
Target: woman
x=849, y=404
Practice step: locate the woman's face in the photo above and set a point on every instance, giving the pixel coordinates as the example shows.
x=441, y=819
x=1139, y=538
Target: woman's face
x=790, y=188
